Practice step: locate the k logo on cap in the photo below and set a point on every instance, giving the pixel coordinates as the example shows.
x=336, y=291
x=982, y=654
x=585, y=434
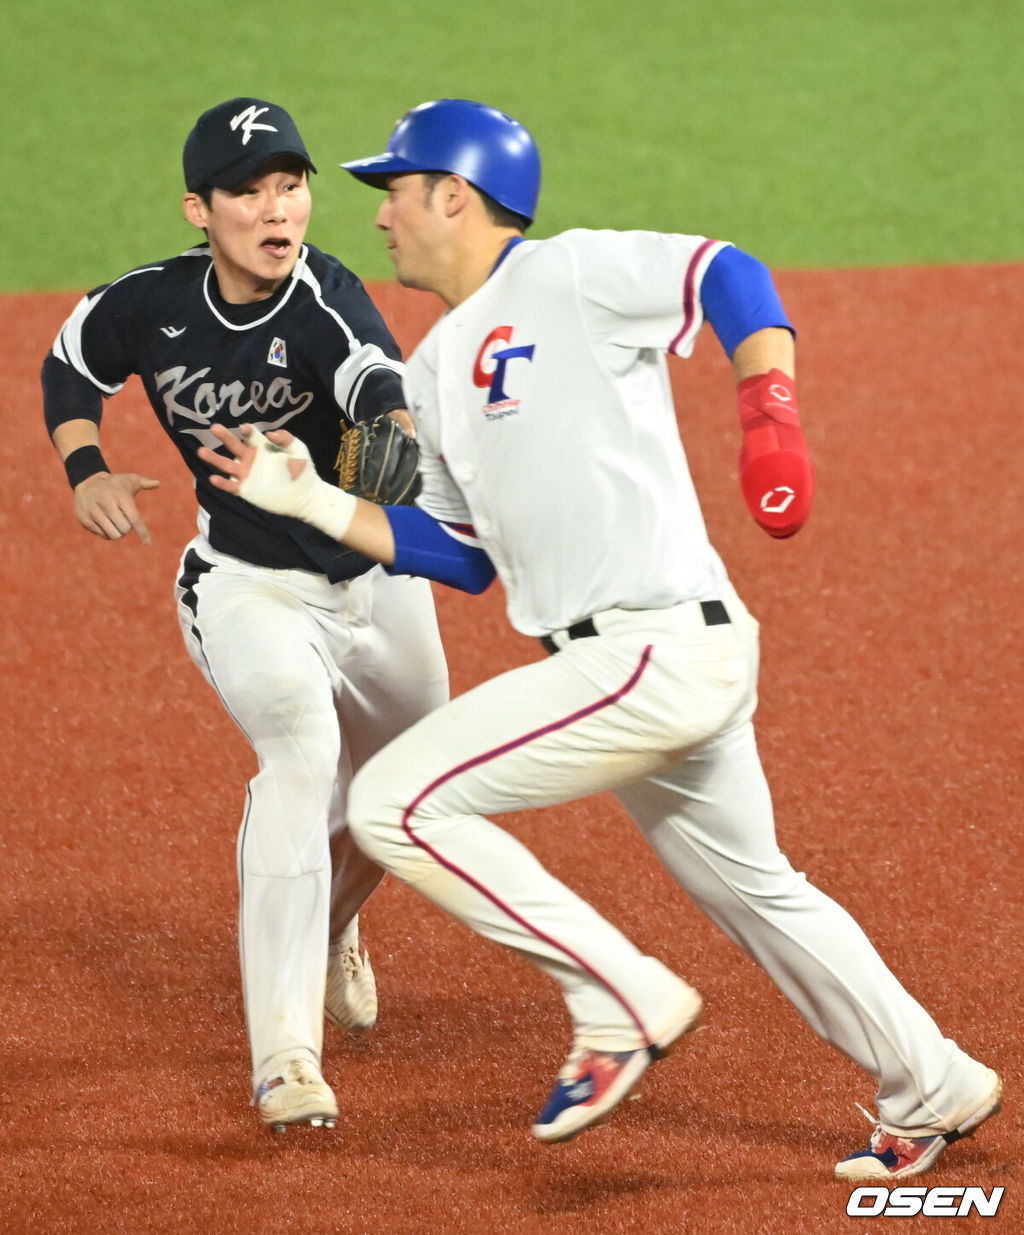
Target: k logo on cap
x=232, y=141
x=247, y=119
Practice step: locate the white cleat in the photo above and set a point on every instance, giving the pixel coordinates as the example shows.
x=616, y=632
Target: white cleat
x=350, y=994
x=297, y=1095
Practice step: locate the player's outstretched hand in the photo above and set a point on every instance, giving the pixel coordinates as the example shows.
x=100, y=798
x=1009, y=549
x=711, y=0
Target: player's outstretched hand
x=277, y=474
x=259, y=463
x=105, y=505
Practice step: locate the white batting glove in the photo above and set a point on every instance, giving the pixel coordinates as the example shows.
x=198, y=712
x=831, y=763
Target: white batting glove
x=272, y=486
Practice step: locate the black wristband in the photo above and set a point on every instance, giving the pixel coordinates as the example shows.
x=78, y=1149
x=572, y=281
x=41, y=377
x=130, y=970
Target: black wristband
x=82, y=463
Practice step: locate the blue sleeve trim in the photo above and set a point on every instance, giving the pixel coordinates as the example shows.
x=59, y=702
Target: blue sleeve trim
x=423, y=547
x=739, y=297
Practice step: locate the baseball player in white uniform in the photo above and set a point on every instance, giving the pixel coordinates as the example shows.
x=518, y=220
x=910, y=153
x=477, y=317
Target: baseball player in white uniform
x=551, y=456
x=316, y=653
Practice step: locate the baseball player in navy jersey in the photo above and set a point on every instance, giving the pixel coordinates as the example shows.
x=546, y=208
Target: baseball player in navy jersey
x=550, y=455
x=317, y=654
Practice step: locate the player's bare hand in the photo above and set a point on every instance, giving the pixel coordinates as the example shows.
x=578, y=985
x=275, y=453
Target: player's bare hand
x=105, y=505
x=401, y=415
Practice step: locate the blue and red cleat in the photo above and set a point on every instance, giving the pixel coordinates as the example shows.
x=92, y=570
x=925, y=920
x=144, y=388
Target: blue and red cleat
x=589, y=1086
x=592, y=1083
x=889, y=1156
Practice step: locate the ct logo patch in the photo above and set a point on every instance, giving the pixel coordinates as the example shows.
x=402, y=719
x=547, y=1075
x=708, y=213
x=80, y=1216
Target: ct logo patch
x=489, y=370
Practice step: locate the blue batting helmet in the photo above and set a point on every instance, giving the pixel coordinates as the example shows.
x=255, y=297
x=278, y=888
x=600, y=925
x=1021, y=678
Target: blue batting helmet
x=491, y=150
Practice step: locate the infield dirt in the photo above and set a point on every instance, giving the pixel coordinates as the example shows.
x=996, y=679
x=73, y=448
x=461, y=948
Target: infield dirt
x=892, y=731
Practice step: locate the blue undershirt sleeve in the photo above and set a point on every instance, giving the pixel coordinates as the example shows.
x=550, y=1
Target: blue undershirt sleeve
x=739, y=297
x=424, y=547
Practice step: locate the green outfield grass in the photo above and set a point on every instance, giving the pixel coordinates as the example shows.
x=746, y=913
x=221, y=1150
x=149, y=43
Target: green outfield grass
x=867, y=132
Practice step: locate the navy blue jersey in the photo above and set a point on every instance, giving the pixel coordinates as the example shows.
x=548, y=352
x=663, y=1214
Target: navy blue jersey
x=314, y=358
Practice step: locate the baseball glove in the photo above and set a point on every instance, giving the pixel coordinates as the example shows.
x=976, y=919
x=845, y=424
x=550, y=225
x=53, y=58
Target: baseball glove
x=379, y=461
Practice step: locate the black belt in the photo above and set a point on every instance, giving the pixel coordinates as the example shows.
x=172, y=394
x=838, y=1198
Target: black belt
x=715, y=614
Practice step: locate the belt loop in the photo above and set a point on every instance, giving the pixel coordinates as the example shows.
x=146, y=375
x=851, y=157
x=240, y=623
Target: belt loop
x=715, y=613
x=584, y=629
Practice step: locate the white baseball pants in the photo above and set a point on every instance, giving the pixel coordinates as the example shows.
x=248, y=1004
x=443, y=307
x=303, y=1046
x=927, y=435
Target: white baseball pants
x=658, y=708
x=318, y=677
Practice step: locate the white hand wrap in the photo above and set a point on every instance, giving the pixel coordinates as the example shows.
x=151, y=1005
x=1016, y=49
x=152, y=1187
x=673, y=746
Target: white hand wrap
x=271, y=486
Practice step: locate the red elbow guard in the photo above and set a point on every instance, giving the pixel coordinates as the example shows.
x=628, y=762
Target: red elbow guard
x=776, y=475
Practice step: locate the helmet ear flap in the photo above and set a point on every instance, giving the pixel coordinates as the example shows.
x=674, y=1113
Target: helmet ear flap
x=490, y=149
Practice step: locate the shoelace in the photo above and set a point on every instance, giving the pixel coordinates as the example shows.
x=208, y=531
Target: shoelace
x=351, y=962
x=901, y=1144
x=879, y=1131
x=872, y=1119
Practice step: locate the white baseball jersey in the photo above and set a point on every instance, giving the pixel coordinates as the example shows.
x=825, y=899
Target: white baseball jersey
x=547, y=424
x=571, y=532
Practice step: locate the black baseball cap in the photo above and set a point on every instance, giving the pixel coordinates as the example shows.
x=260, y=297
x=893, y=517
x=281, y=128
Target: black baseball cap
x=233, y=140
